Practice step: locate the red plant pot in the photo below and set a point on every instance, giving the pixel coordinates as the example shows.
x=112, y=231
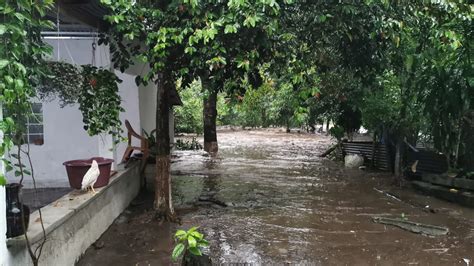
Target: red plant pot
x=76, y=169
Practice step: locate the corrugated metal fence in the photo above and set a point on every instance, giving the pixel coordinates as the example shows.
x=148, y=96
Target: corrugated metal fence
x=428, y=161
x=366, y=148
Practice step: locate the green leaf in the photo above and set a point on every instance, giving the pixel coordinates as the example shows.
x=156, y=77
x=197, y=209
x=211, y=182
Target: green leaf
x=203, y=242
x=192, y=241
x=196, y=251
x=180, y=233
x=20, y=67
x=197, y=235
x=409, y=62
x=19, y=83
x=230, y=29
x=3, y=29
x=250, y=21
x=189, y=50
x=177, y=251
x=3, y=63
x=3, y=181
x=8, y=168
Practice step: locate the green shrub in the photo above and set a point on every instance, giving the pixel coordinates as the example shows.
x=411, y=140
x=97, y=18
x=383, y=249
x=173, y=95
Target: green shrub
x=188, y=117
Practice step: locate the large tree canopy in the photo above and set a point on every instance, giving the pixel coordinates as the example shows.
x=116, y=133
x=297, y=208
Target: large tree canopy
x=187, y=39
x=401, y=70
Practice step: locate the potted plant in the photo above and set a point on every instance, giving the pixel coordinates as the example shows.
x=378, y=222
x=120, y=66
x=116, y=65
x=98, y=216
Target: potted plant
x=63, y=81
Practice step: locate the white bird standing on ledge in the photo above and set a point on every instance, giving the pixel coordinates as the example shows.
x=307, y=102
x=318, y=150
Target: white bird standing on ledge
x=90, y=177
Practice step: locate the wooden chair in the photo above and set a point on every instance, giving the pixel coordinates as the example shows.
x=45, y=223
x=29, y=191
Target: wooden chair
x=144, y=149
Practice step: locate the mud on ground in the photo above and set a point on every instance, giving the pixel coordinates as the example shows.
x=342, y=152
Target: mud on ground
x=286, y=205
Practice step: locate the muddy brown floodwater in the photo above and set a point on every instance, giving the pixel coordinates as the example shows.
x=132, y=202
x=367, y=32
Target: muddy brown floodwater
x=285, y=205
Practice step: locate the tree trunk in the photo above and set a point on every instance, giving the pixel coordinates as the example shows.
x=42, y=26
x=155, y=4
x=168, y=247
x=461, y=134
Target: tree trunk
x=163, y=204
x=398, y=159
x=264, y=118
x=458, y=144
x=327, y=127
x=374, y=148
x=210, y=116
x=468, y=141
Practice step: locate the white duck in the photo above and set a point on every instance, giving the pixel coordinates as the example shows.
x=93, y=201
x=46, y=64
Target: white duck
x=90, y=177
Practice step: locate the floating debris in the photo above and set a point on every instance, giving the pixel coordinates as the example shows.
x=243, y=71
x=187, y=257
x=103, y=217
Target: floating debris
x=467, y=261
x=418, y=228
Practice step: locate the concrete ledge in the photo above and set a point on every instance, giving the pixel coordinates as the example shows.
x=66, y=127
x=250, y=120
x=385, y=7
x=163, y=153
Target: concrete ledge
x=76, y=220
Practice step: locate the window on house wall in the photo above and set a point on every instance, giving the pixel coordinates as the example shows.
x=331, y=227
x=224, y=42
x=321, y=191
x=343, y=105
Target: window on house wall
x=34, y=125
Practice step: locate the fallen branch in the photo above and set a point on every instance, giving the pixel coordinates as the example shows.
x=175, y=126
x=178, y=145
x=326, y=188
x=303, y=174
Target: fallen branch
x=388, y=194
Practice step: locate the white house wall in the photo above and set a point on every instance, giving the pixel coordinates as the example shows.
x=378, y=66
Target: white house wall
x=64, y=139
x=147, y=100
x=129, y=94
x=64, y=136
x=147, y=96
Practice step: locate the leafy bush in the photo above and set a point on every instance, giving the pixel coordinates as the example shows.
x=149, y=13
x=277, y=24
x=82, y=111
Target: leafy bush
x=189, y=116
x=252, y=111
x=381, y=106
x=226, y=114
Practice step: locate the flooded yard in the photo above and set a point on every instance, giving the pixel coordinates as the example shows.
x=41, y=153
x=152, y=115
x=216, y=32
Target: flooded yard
x=267, y=198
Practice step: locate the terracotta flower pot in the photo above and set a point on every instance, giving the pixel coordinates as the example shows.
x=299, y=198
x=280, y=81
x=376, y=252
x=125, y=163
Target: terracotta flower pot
x=76, y=169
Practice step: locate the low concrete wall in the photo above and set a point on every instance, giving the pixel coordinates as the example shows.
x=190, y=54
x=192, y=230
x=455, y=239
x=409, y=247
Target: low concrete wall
x=76, y=221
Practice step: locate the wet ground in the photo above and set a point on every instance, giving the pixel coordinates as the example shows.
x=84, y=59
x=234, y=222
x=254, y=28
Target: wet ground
x=287, y=205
